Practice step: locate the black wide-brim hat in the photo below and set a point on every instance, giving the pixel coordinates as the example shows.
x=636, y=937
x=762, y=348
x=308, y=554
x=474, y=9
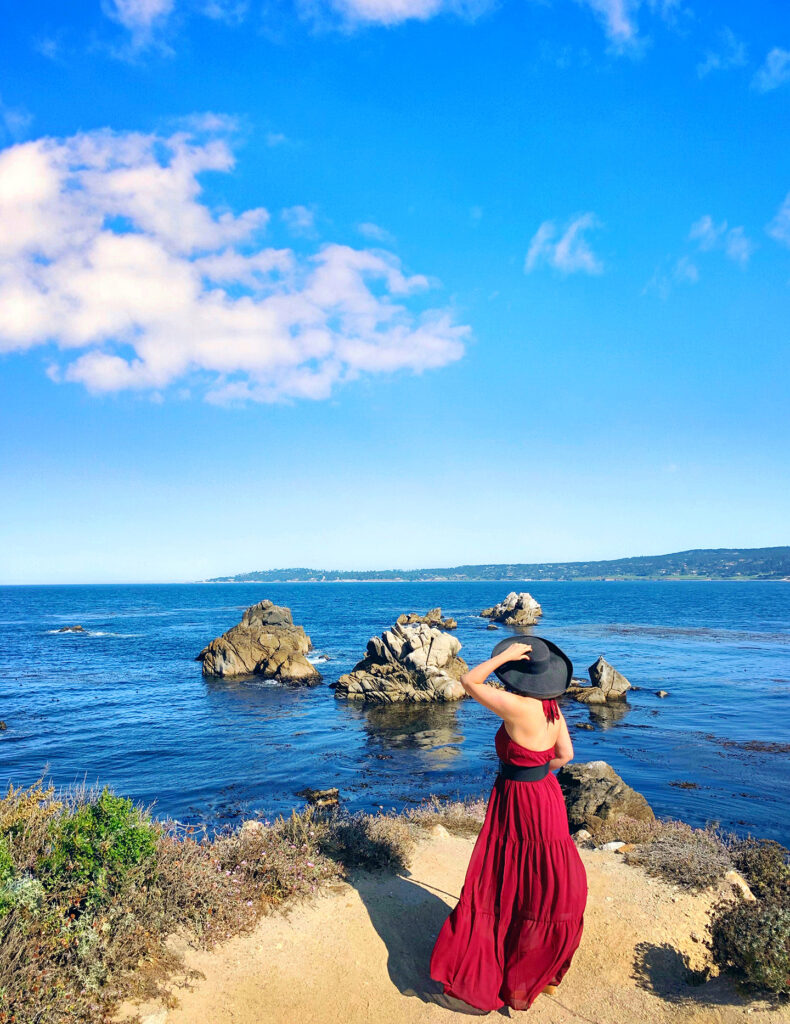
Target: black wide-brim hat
x=544, y=675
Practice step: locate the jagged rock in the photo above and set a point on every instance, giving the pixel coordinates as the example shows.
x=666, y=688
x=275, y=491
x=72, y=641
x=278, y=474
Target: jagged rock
x=661, y=693
x=594, y=793
x=516, y=610
x=431, y=618
x=492, y=625
x=613, y=683
x=406, y=664
x=265, y=643
x=71, y=629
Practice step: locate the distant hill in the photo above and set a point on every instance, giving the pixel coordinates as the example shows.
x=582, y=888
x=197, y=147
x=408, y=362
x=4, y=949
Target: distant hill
x=701, y=564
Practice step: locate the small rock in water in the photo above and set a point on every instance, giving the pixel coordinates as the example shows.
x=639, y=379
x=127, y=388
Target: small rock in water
x=3, y=727
x=583, y=725
x=320, y=797
x=71, y=629
x=661, y=693
x=492, y=625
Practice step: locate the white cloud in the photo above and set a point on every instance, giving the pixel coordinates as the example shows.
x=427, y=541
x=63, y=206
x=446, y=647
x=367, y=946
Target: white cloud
x=618, y=18
x=139, y=16
x=387, y=12
x=276, y=139
x=779, y=228
x=731, y=55
x=774, y=72
x=375, y=233
x=300, y=220
x=569, y=252
x=110, y=253
x=732, y=241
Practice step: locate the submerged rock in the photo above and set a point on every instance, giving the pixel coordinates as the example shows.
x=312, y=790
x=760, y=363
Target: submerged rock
x=406, y=664
x=431, y=618
x=595, y=793
x=265, y=643
x=516, y=610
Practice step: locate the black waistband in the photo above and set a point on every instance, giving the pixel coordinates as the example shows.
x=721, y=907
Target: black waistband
x=520, y=774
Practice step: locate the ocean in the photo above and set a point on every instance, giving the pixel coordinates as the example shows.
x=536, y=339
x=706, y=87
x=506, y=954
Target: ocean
x=125, y=704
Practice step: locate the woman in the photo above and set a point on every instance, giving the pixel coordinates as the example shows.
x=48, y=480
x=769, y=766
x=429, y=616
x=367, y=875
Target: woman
x=519, y=918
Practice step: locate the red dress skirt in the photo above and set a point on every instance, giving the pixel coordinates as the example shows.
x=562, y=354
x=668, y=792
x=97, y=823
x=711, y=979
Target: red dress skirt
x=519, y=917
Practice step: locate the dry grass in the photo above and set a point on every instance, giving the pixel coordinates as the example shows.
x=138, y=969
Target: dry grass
x=694, y=858
x=461, y=817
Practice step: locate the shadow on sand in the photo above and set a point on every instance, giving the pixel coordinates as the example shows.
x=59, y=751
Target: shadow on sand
x=665, y=971
x=407, y=916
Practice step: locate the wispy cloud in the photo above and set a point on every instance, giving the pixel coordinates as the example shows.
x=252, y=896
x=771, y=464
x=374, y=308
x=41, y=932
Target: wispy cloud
x=731, y=54
x=618, y=18
x=680, y=271
x=112, y=261
x=140, y=17
x=774, y=72
x=779, y=228
x=732, y=241
x=375, y=233
x=14, y=121
x=300, y=220
x=566, y=249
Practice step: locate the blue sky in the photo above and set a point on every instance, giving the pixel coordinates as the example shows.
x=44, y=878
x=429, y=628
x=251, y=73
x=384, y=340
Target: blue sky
x=390, y=283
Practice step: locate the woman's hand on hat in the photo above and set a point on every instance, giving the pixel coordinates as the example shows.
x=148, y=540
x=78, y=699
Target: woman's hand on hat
x=517, y=652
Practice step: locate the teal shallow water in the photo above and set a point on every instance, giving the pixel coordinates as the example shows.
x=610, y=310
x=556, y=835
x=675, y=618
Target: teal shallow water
x=126, y=703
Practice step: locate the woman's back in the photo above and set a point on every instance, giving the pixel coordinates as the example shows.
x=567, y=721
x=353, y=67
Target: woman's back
x=534, y=724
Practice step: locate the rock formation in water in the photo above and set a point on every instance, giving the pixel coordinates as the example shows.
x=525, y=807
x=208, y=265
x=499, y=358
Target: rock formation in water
x=594, y=793
x=431, y=618
x=406, y=664
x=606, y=684
x=516, y=610
x=265, y=643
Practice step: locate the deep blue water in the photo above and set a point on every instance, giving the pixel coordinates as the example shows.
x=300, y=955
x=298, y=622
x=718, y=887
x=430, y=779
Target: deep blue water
x=126, y=703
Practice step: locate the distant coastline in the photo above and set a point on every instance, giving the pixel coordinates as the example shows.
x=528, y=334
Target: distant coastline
x=702, y=564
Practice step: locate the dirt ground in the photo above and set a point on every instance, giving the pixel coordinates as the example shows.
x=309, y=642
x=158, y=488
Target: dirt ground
x=358, y=954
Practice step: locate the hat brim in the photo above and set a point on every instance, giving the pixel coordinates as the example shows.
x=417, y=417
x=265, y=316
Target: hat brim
x=551, y=683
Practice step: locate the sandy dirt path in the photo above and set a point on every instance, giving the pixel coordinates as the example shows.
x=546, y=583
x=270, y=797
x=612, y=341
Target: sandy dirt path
x=358, y=954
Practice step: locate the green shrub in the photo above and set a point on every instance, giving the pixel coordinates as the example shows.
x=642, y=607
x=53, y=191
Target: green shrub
x=752, y=939
x=765, y=864
x=97, y=844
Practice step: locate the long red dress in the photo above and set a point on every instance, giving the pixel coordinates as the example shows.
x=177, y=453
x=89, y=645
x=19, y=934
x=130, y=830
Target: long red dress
x=519, y=918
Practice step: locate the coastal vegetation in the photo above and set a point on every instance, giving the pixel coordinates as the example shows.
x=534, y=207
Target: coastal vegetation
x=94, y=890
x=696, y=564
